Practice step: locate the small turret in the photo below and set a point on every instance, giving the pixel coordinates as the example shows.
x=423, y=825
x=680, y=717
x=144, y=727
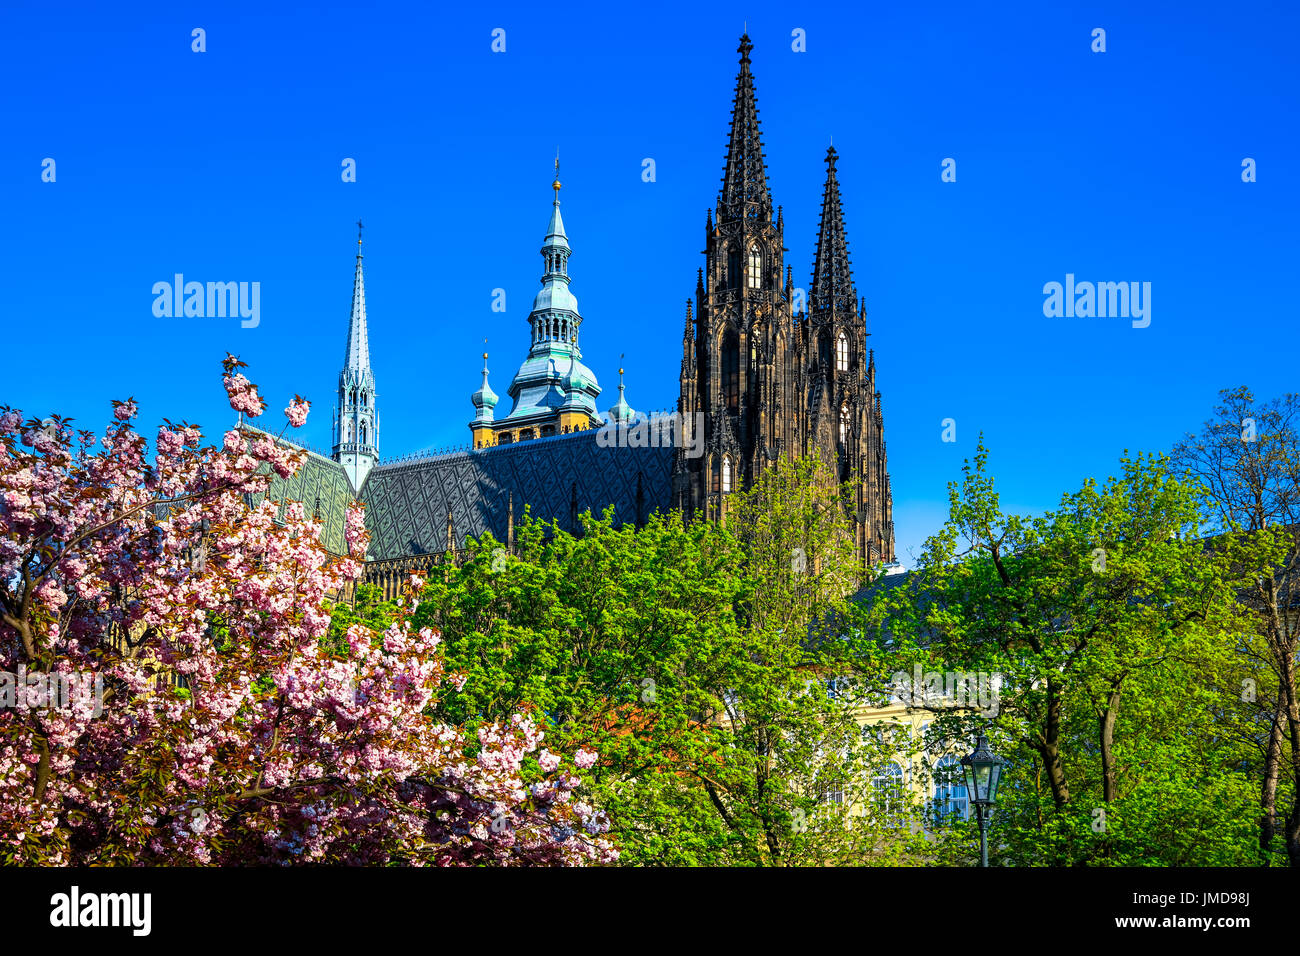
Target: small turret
x=622, y=412
x=485, y=401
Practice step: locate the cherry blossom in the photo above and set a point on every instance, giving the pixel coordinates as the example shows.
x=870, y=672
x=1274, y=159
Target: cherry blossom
x=228, y=735
x=297, y=410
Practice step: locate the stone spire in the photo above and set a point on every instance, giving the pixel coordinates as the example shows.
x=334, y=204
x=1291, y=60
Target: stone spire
x=832, y=283
x=744, y=181
x=356, y=423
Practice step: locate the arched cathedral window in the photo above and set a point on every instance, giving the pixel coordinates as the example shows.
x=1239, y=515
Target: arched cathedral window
x=755, y=267
x=842, y=353
x=844, y=424
x=733, y=268
x=726, y=474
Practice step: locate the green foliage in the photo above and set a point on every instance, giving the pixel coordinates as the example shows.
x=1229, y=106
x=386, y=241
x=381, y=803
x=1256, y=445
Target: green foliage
x=1118, y=634
x=682, y=655
x=369, y=609
x=696, y=660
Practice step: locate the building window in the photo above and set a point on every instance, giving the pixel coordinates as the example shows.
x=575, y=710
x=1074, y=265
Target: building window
x=726, y=474
x=504, y=438
x=887, y=794
x=526, y=434
x=844, y=424
x=842, y=353
x=548, y=431
x=832, y=792
x=951, y=802
x=363, y=433
x=732, y=278
x=731, y=371
x=755, y=267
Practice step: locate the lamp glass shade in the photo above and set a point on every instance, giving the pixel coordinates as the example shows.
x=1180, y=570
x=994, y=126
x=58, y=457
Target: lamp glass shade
x=983, y=770
x=995, y=777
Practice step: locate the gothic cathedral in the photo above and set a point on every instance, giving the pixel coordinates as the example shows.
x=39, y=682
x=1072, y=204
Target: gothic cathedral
x=769, y=380
x=766, y=376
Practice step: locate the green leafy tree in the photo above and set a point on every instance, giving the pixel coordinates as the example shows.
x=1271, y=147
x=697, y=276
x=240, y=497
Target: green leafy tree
x=1113, y=625
x=1247, y=460
x=695, y=659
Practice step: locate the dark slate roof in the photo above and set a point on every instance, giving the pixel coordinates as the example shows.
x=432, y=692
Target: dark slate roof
x=323, y=488
x=407, y=502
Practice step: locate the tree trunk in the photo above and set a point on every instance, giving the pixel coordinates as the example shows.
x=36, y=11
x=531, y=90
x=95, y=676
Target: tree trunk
x=1107, y=729
x=1268, y=789
x=1049, y=746
x=1293, y=723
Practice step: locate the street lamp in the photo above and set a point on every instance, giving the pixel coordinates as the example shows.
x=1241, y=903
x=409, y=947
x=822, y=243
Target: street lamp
x=983, y=769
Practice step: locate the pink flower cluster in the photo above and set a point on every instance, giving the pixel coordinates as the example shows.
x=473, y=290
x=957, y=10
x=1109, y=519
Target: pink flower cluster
x=231, y=737
x=243, y=395
x=297, y=411
x=355, y=533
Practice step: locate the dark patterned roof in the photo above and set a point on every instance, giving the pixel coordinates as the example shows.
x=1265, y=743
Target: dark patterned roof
x=407, y=503
x=323, y=488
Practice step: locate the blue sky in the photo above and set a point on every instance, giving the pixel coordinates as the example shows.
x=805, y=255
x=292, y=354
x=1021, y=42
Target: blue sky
x=225, y=166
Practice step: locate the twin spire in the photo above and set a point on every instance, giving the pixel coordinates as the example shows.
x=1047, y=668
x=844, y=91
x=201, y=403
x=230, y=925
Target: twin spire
x=744, y=182
x=832, y=284
x=745, y=194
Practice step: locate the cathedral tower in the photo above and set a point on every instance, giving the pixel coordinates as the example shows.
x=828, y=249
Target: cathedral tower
x=356, y=423
x=841, y=413
x=734, y=364
x=768, y=383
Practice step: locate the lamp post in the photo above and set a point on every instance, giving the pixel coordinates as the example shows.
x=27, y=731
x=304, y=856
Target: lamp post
x=983, y=769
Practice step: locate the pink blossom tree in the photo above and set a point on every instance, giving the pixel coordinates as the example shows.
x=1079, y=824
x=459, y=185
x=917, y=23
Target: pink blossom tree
x=226, y=735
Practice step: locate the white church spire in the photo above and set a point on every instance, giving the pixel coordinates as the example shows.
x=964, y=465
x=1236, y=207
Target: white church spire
x=356, y=424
